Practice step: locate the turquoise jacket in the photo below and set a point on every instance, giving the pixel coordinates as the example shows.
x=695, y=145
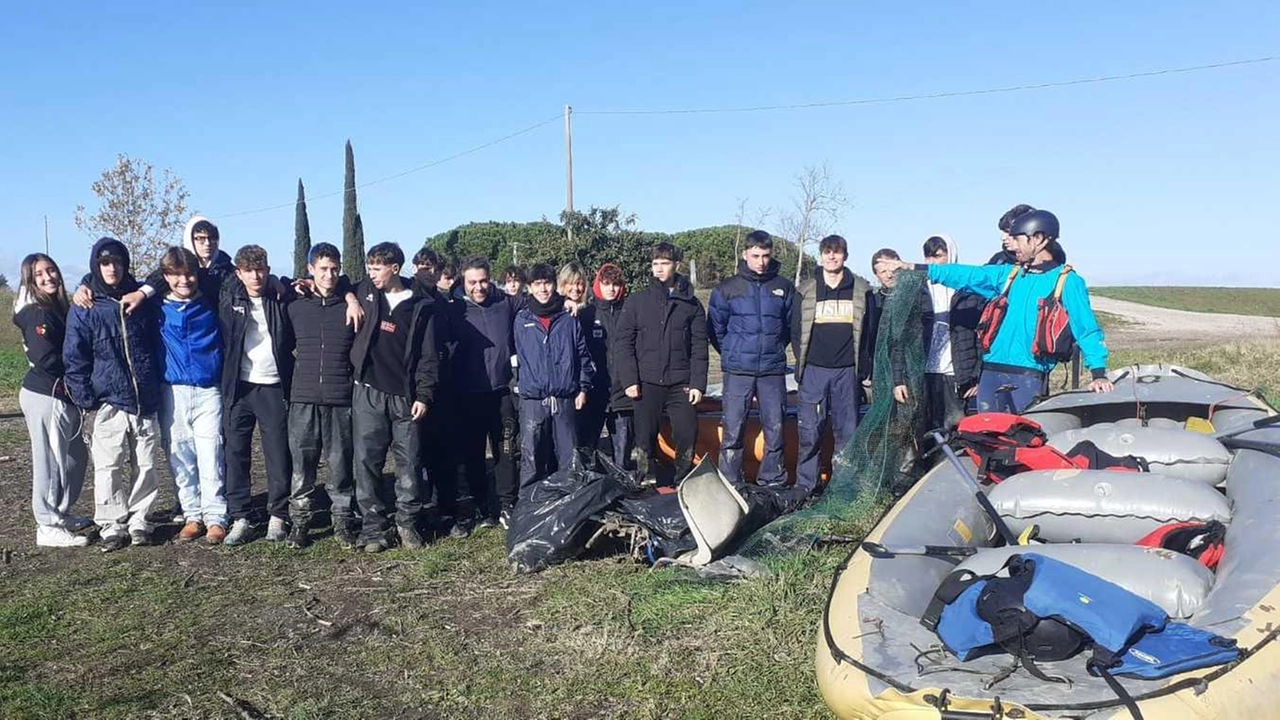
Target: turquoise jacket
x=1012, y=345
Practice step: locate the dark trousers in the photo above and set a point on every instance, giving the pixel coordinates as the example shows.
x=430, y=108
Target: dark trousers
x=317, y=431
x=264, y=407
x=674, y=400
x=942, y=405
x=591, y=419
x=770, y=393
x=548, y=417
x=622, y=436
x=382, y=423
x=440, y=451
x=489, y=419
x=828, y=399
x=1008, y=390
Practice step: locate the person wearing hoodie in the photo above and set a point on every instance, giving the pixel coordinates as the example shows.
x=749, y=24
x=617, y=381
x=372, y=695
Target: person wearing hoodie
x=556, y=374
x=662, y=359
x=831, y=329
x=480, y=324
x=615, y=409
x=54, y=424
x=112, y=366
x=396, y=363
x=953, y=364
x=750, y=318
x=191, y=401
x=1013, y=375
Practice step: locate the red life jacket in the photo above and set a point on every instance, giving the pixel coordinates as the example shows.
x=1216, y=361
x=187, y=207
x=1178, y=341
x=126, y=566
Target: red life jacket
x=1053, y=339
x=1204, y=541
x=1001, y=445
x=993, y=313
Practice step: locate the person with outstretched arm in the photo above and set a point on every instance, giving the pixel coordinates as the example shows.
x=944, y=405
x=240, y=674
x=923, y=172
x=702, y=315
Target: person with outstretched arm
x=1013, y=374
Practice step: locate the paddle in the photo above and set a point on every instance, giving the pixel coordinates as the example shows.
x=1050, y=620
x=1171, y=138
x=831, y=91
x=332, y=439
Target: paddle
x=1005, y=533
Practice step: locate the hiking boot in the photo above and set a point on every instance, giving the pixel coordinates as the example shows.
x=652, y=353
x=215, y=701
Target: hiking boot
x=460, y=530
x=298, y=538
x=241, y=533
x=487, y=522
x=114, y=542
x=52, y=536
x=140, y=537
x=346, y=539
x=276, y=529
x=410, y=538
x=215, y=534
x=192, y=530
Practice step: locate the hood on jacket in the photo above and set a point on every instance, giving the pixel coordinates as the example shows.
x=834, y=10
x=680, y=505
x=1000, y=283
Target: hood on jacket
x=190, y=244
x=940, y=294
x=846, y=280
x=595, y=286
x=110, y=247
x=770, y=271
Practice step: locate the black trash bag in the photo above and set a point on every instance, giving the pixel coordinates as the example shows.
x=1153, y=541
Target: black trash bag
x=554, y=523
x=658, y=512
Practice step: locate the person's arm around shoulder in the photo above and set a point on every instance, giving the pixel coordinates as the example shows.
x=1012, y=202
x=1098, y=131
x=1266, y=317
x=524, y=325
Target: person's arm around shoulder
x=1088, y=333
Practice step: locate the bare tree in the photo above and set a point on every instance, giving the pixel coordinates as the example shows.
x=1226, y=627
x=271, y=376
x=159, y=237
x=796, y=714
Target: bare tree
x=815, y=209
x=135, y=209
x=737, y=239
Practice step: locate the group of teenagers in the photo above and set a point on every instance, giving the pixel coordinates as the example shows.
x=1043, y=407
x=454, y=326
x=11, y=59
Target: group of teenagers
x=444, y=368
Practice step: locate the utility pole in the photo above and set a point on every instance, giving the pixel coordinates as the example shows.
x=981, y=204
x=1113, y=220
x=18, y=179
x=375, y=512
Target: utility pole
x=46, y=234
x=568, y=149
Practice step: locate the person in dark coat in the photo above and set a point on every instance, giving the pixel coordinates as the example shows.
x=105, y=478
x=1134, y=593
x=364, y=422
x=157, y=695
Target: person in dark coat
x=662, y=359
x=54, y=423
x=555, y=375
x=396, y=362
x=320, y=401
x=610, y=292
x=480, y=325
x=750, y=318
x=112, y=366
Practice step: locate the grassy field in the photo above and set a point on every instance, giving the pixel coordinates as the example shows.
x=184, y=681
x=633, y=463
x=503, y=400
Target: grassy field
x=261, y=631
x=1238, y=301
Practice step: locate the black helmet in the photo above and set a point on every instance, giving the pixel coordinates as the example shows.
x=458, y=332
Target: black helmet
x=1036, y=221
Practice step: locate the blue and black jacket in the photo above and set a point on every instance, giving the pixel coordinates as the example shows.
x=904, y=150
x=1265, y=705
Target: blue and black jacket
x=749, y=321
x=554, y=362
x=191, y=351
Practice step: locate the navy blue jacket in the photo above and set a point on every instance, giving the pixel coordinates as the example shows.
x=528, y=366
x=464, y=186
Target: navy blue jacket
x=191, y=353
x=483, y=342
x=749, y=321
x=554, y=362
x=112, y=358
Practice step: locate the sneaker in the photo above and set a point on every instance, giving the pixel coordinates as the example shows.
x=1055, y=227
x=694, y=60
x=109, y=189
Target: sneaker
x=504, y=518
x=114, y=542
x=140, y=537
x=487, y=522
x=410, y=538
x=215, y=534
x=80, y=524
x=276, y=530
x=346, y=539
x=374, y=546
x=50, y=536
x=459, y=530
x=298, y=538
x=241, y=533
x=177, y=515
x=192, y=530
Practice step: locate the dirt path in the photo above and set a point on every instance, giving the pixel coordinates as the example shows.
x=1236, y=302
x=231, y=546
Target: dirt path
x=1150, y=324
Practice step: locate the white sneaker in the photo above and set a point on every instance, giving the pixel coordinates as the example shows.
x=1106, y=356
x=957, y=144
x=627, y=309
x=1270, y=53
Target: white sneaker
x=276, y=530
x=241, y=533
x=178, y=516
x=47, y=536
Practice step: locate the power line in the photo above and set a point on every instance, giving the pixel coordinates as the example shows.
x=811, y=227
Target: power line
x=938, y=95
x=401, y=174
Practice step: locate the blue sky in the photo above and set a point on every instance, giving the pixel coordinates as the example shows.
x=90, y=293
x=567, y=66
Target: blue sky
x=1169, y=179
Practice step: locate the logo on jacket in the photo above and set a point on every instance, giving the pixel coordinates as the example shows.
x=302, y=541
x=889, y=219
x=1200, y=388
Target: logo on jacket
x=42, y=329
x=387, y=326
x=779, y=292
x=238, y=308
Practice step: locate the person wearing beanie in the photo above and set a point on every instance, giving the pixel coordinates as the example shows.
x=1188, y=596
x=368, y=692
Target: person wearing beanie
x=556, y=374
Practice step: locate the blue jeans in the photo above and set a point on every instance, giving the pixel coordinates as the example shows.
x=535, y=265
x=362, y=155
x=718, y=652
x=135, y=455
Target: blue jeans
x=828, y=398
x=191, y=423
x=1008, y=390
x=538, y=418
x=770, y=393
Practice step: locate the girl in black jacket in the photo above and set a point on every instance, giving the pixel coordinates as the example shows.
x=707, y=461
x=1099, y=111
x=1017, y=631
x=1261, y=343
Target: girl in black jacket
x=58, y=453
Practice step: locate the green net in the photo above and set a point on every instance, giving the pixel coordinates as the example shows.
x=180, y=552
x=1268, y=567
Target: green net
x=878, y=462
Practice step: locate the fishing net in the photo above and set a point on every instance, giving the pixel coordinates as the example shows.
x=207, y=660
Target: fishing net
x=878, y=461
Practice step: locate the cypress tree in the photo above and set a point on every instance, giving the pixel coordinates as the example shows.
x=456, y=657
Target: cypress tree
x=352, y=229
x=301, y=234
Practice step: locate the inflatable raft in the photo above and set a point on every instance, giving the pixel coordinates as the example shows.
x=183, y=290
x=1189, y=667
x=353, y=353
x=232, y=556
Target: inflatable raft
x=875, y=659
